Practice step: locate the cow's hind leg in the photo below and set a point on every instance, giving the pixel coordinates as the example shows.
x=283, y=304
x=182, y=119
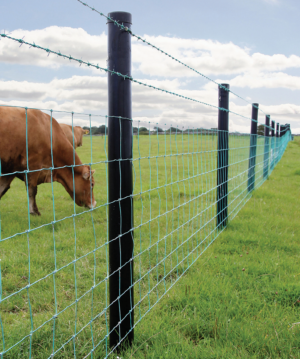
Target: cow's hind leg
x=32, y=191
x=5, y=182
x=31, y=181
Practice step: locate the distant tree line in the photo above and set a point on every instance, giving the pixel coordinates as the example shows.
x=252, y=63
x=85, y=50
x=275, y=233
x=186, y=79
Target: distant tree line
x=261, y=130
x=101, y=130
x=97, y=130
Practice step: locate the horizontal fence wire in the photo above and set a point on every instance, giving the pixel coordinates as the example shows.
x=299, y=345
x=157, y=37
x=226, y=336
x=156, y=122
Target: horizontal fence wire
x=125, y=28
x=55, y=271
x=124, y=76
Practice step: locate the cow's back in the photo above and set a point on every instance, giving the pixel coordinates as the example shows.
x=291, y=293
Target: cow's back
x=75, y=140
x=13, y=140
x=69, y=133
x=78, y=132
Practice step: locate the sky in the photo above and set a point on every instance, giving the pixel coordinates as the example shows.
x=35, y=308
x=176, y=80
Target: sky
x=252, y=45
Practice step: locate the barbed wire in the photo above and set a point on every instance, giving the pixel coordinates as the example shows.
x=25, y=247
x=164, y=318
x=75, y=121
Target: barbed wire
x=58, y=111
x=112, y=72
x=191, y=175
x=125, y=28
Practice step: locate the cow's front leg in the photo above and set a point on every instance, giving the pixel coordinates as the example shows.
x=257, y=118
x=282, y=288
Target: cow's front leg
x=5, y=182
x=32, y=191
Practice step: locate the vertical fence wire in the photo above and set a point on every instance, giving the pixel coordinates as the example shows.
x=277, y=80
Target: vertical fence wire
x=56, y=292
x=175, y=207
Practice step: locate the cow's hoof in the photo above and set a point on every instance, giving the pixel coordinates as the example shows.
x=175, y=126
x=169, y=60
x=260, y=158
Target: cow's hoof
x=35, y=213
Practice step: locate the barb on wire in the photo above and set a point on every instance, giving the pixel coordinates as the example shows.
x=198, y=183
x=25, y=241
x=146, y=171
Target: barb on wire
x=125, y=28
x=112, y=72
x=58, y=53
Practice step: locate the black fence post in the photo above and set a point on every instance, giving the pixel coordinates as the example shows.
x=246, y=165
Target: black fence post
x=277, y=141
x=290, y=132
x=288, y=129
x=266, y=148
x=284, y=130
x=272, y=144
x=121, y=317
x=253, y=143
x=223, y=137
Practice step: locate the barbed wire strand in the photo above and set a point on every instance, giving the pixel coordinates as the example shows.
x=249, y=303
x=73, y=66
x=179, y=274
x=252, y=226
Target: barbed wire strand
x=124, y=76
x=125, y=28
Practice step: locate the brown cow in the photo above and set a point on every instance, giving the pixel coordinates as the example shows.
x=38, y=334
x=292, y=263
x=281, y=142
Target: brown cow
x=78, y=133
x=14, y=159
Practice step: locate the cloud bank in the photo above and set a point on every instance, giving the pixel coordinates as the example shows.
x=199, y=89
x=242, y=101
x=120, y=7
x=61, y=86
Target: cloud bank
x=88, y=93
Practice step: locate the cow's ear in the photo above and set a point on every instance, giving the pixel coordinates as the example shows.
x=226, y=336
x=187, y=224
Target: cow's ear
x=86, y=175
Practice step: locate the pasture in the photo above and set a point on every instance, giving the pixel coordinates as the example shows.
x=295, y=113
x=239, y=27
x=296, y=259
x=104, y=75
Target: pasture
x=54, y=276
x=242, y=297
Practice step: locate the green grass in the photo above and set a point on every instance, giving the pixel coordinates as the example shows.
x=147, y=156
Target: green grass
x=175, y=195
x=242, y=297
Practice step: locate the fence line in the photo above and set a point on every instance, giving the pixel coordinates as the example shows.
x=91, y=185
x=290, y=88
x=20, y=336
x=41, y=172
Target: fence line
x=207, y=148
x=183, y=186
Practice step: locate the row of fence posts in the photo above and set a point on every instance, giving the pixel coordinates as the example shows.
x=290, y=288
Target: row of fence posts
x=121, y=236
x=223, y=149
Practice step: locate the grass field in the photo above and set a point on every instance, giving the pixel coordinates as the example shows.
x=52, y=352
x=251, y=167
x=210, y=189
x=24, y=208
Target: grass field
x=242, y=298
x=47, y=273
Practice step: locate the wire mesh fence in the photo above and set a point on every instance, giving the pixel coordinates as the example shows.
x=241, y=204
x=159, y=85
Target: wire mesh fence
x=54, y=268
x=66, y=273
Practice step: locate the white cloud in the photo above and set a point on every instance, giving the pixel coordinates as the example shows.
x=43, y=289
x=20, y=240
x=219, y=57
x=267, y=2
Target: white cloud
x=89, y=93
x=207, y=56
x=267, y=80
x=69, y=41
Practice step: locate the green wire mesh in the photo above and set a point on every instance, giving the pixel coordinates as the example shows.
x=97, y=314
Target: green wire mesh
x=54, y=268
x=54, y=273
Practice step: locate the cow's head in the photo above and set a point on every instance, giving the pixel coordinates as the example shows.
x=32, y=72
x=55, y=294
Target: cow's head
x=84, y=185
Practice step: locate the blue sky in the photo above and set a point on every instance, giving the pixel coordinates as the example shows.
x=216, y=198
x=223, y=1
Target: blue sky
x=268, y=28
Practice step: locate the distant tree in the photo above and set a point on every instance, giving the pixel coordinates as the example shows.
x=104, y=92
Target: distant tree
x=102, y=129
x=143, y=129
x=99, y=130
x=174, y=129
x=261, y=130
x=135, y=130
x=94, y=129
x=158, y=129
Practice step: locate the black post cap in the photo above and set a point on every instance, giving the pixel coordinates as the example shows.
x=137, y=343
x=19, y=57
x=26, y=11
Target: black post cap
x=120, y=16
